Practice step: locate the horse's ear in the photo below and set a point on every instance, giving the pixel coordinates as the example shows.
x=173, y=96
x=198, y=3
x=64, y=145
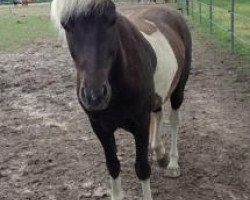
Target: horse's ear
x=110, y=15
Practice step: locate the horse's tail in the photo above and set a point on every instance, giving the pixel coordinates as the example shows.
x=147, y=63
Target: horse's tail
x=178, y=94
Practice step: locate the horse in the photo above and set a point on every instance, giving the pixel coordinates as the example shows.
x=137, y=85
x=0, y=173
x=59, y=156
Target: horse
x=142, y=1
x=148, y=1
x=26, y=2
x=154, y=1
x=127, y=69
x=16, y=2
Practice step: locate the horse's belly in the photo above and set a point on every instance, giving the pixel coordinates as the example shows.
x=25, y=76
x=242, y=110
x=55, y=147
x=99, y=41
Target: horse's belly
x=167, y=65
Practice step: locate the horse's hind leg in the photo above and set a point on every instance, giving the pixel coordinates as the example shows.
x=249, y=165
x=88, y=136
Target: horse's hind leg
x=173, y=169
x=156, y=137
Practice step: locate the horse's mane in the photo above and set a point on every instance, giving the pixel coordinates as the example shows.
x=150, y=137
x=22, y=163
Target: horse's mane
x=64, y=9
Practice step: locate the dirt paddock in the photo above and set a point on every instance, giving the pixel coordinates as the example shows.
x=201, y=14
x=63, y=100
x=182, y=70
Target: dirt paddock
x=49, y=152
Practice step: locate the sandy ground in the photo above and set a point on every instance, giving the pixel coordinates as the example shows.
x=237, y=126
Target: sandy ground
x=49, y=152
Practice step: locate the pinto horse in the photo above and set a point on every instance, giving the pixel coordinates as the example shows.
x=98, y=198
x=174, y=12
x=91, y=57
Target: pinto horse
x=126, y=70
x=26, y=2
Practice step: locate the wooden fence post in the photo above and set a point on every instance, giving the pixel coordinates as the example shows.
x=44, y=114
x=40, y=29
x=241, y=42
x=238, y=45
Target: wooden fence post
x=211, y=16
x=232, y=26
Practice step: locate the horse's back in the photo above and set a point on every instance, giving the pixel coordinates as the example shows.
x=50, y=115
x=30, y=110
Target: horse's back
x=169, y=36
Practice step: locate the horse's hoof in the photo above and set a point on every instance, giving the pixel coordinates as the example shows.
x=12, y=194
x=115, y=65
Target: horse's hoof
x=173, y=172
x=117, y=198
x=162, y=162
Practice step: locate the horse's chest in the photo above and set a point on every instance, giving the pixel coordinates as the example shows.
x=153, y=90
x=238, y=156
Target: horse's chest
x=167, y=65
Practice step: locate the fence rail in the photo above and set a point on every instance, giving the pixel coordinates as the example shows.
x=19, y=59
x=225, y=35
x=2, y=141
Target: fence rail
x=224, y=23
x=232, y=27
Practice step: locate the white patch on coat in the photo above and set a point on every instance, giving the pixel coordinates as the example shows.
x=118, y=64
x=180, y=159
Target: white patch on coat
x=156, y=135
x=116, y=189
x=173, y=169
x=146, y=190
x=167, y=64
x=149, y=22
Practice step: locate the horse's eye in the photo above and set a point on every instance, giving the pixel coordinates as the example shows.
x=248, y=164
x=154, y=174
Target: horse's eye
x=67, y=25
x=112, y=23
x=109, y=20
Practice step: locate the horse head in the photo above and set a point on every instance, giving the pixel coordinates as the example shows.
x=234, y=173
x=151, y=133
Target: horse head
x=91, y=34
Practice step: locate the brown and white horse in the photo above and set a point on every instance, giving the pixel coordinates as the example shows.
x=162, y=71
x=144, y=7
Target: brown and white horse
x=26, y=2
x=126, y=70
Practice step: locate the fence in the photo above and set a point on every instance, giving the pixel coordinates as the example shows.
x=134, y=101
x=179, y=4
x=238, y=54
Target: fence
x=41, y=7
x=227, y=25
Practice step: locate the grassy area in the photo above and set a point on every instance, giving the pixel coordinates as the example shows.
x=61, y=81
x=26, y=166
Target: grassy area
x=23, y=26
x=18, y=31
x=221, y=22
x=41, y=9
x=241, y=6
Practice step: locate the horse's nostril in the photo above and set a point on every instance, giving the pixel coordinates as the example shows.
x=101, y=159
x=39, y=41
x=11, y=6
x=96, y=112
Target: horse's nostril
x=94, y=97
x=86, y=95
x=104, y=91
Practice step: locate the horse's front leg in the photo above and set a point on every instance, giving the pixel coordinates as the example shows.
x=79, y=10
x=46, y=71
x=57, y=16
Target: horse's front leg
x=142, y=167
x=106, y=136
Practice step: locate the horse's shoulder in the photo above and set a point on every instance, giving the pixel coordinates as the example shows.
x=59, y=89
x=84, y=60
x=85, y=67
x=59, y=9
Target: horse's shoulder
x=164, y=20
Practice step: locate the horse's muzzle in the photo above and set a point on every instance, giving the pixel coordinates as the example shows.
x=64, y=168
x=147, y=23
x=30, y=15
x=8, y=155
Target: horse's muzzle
x=95, y=99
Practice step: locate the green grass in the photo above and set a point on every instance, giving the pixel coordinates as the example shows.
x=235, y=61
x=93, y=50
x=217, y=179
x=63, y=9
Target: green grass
x=41, y=9
x=21, y=27
x=221, y=20
x=16, y=32
x=241, y=6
